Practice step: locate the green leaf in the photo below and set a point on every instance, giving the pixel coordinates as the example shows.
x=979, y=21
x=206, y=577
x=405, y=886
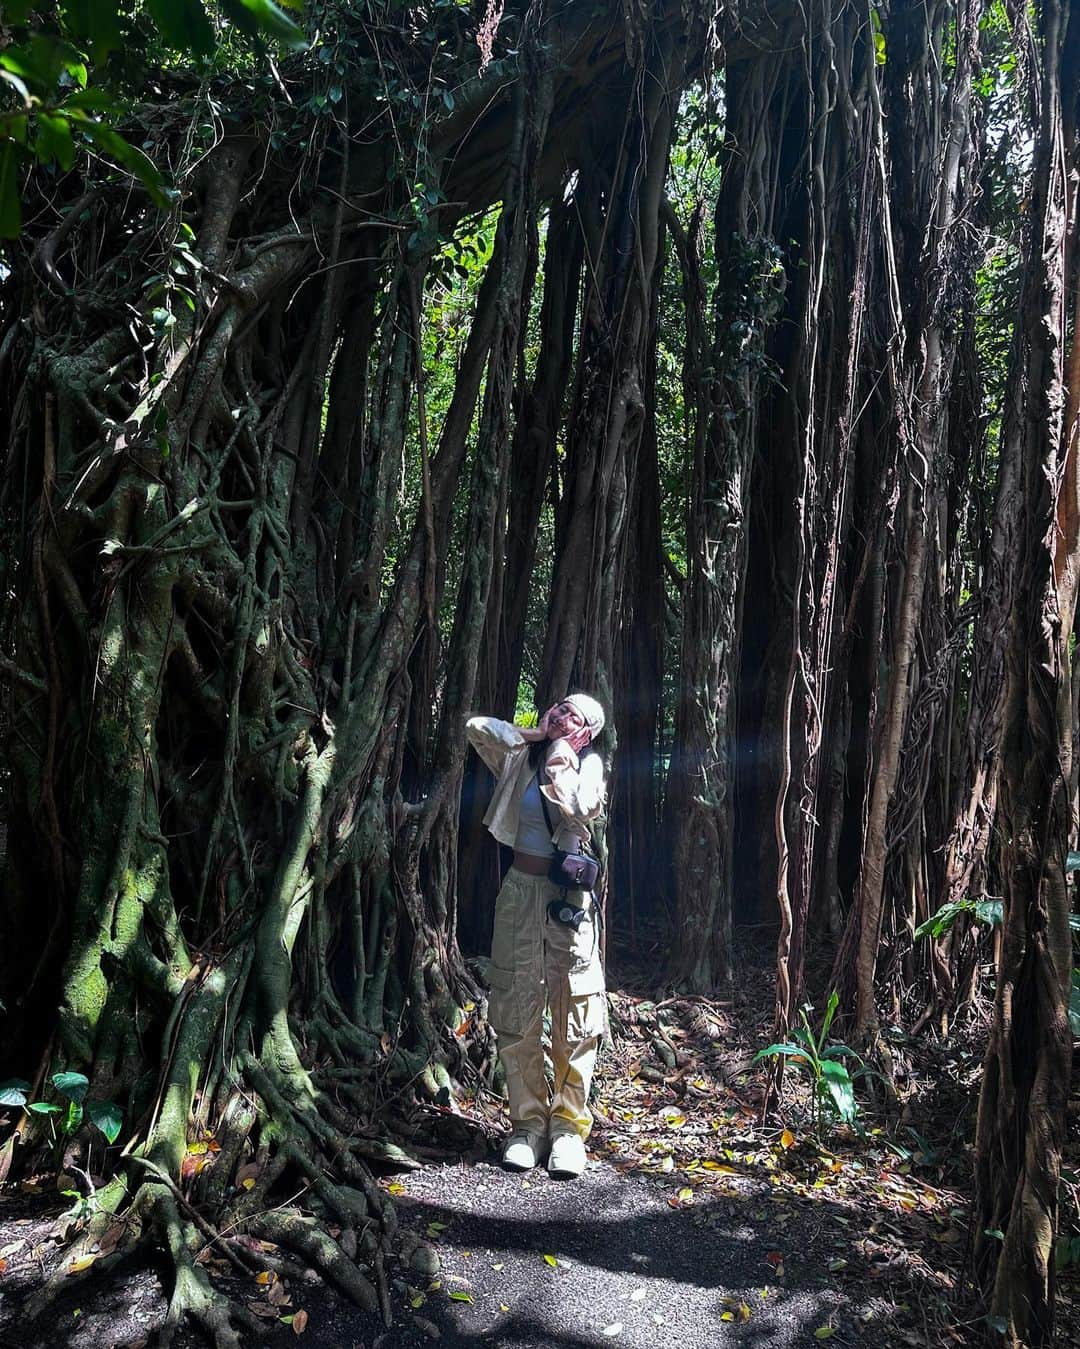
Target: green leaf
x=15, y=11
x=830, y=1012
x=71, y=1085
x=54, y=140
x=14, y=1091
x=184, y=25
x=123, y=153
x=43, y=1108
x=939, y=923
x=106, y=1116
x=775, y=1051
x=98, y=21
x=989, y=911
x=256, y=17
x=90, y=100
x=1074, y=1004
x=459, y=1295
x=10, y=204
x=1072, y=862
x=73, y=1117
x=840, y=1091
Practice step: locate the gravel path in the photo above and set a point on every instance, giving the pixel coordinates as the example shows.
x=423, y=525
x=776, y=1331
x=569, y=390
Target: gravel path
x=599, y=1261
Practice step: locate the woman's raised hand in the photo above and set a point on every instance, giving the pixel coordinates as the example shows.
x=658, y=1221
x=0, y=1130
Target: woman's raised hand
x=539, y=731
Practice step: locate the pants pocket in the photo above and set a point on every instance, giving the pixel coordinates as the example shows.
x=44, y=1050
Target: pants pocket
x=586, y=1011
x=504, y=1002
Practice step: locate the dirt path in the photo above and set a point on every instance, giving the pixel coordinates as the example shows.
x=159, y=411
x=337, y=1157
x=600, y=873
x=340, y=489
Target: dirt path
x=693, y=1225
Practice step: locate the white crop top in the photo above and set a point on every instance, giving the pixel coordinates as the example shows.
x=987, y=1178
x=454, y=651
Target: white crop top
x=533, y=835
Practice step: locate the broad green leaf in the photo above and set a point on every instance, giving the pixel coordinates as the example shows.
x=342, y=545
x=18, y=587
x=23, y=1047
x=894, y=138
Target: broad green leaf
x=10, y=204
x=989, y=911
x=127, y=156
x=71, y=1085
x=15, y=11
x=939, y=923
x=183, y=25
x=1072, y=862
x=90, y=100
x=264, y=17
x=54, y=140
x=107, y=1116
x=838, y=1085
x=73, y=1117
x=14, y=1091
x=774, y=1051
x=98, y=21
x=43, y=1108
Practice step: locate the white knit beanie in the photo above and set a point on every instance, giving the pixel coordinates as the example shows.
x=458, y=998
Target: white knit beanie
x=591, y=710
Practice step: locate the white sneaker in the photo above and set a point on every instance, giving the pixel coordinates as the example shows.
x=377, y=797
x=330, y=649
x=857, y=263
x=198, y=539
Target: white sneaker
x=522, y=1150
x=567, y=1157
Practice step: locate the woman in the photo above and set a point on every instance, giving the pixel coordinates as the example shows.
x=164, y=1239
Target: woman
x=547, y=790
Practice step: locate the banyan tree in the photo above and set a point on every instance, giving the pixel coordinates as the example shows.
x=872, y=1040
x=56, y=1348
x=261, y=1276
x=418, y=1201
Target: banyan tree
x=719, y=358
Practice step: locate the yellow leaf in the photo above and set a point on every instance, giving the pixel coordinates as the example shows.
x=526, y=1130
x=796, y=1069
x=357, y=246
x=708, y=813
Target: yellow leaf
x=787, y=1139
x=265, y=1276
x=503, y=1307
x=550, y=1260
x=675, y=1121
x=196, y=1149
x=396, y=1188
x=498, y=1266
x=720, y=1168
x=77, y=1266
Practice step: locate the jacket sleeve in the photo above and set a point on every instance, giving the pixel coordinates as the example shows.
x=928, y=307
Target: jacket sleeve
x=575, y=785
x=492, y=739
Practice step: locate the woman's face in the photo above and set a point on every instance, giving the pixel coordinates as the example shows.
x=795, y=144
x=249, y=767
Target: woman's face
x=565, y=721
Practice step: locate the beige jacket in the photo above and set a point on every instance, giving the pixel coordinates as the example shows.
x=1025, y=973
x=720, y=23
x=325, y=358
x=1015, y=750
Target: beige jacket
x=575, y=785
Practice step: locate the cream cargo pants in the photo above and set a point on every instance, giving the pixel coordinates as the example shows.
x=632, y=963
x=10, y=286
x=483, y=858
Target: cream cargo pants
x=533, y=959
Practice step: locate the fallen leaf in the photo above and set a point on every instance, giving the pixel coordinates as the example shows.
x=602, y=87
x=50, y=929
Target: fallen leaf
x=504, y=1307
x=277, y=1294
x=265, y=1276
x=3, y=1265
x=262, y=1309
x=12, y=1247
x=614, y=1329
x=396, y=1188
x=247, y=1175
x=498, y=1266
x=459, y=1295
x=551, y=1260
x=787, y=1139
x=434, y=1228
x=299, y=1322
x=824, y=1332
x=77, y=1266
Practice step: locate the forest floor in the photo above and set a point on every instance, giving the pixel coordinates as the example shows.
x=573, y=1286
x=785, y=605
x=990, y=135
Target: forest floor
x=694, y=1224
